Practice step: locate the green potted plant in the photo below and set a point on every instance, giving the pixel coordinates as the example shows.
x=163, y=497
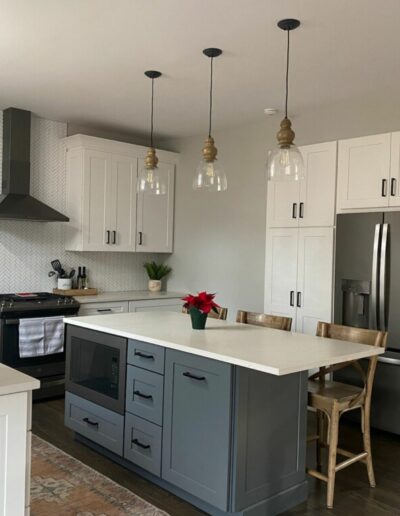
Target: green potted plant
x=199, y=307
x=156, y=272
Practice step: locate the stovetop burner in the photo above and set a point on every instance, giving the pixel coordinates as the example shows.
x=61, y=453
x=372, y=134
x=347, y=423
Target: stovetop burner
x=24, y=303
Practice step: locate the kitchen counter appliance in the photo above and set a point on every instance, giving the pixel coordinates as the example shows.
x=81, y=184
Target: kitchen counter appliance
x=367, y=295
x=49, y=369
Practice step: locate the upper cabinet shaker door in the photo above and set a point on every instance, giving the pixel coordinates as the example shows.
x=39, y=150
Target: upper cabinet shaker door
x=283, y=204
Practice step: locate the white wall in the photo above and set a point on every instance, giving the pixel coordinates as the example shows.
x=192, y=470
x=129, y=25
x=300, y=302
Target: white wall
x=220, y=238
x=26, y=248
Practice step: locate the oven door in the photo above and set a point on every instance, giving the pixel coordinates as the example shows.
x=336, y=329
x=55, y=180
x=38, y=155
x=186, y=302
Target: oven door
x=38, y=367
x=96, y=367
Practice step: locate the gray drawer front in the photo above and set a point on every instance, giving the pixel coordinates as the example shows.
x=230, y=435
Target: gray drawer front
x=143, y=443
x=197, y=426
x=145, y=394
x=94, y=422
x=145, y=355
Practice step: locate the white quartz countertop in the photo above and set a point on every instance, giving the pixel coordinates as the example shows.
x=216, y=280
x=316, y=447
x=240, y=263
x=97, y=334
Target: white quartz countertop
x=129, y=295
x=271, y=351
x=12, y=381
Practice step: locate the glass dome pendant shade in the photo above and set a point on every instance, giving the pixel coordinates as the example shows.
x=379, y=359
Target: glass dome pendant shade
x=209, y=174
x=150, y=181
x=286, y=162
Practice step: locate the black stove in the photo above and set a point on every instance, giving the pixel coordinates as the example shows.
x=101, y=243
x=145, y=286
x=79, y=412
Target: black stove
x=28, y=304
x=49, y=369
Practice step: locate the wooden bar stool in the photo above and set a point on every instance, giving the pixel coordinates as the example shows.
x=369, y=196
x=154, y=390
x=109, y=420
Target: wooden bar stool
x=268, y=321
x=332, y=399
x=222, y=313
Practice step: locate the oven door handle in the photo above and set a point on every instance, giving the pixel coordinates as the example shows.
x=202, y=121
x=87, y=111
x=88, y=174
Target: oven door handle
x=12, y=322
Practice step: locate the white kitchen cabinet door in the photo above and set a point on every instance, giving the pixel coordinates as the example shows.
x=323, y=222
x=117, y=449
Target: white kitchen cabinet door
x=123, y=216
x=281, y=272
x=155, y=215
x=283, y=204
x=97, y=200
x=13, y=441
x=394, y=190
x=314, y=278
x=317, y=190
x=363, y=172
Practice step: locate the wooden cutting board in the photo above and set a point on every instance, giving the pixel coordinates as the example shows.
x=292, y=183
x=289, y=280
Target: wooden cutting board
x=76, y=292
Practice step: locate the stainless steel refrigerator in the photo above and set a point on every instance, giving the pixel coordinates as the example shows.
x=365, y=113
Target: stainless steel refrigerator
x=367, y=295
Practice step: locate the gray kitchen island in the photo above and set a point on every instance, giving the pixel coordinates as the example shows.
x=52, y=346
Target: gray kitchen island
x=216, y=416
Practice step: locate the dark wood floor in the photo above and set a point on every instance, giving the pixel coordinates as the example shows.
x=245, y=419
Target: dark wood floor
x=353, y=495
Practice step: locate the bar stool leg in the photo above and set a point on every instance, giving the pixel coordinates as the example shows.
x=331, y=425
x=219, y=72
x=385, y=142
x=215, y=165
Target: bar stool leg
x=367, y=445
x=333, y=442
x=321, y=437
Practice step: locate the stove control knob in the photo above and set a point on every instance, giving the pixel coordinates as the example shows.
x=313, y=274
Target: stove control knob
x=11, y=304
x=59, y=301
x=65, y=300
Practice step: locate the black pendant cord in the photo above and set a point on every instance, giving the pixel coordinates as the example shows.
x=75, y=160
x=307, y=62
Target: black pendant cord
x=152, y=113
x=287, y=73
x=211, y=97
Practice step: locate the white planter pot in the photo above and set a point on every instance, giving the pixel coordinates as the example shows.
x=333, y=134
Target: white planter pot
x=64, y=283
x=154, y=285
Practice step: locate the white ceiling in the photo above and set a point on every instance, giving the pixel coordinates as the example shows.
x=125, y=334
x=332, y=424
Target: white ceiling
x=82, y=61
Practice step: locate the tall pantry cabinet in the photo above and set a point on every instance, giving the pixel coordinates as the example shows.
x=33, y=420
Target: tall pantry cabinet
x=106, y=212
x=300, y=239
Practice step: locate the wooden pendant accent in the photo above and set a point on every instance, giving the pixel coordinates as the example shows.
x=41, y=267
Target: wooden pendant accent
x=286, y=134
x=151, y=159
x=210, y=151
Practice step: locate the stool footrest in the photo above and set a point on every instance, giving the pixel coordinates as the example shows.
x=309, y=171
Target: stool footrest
x=351, y=460
x=317, y=474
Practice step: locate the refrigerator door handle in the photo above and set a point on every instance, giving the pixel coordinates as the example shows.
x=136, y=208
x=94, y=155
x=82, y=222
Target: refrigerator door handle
x=374, y=279
x=382, y=278
x=387, y=360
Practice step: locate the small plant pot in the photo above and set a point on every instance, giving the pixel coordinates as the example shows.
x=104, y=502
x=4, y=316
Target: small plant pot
x=154, y=285
x=198, y=318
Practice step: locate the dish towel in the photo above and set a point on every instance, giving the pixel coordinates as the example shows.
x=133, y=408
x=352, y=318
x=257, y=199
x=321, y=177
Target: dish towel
x=53, y=335
x=31, y=337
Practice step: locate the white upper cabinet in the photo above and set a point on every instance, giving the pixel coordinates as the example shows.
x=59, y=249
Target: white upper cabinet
x=105, y=211
x=317, y=190
x=364, y=172
x=394, y=190
x=311, y=201
x=155, y=215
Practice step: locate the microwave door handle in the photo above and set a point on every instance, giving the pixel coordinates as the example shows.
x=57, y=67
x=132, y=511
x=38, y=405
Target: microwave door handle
x=373, y=324
x=382, y=277
x=12, y=322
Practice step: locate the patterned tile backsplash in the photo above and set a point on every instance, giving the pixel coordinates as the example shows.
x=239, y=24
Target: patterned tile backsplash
x=26, y=248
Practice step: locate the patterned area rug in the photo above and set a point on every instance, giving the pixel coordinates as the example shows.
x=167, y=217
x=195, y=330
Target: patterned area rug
x=64, y=486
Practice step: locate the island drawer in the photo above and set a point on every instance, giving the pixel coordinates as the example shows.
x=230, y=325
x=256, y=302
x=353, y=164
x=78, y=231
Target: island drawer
x=94, y=422
x=145, y=355
x=143, y=443
x=145, y=394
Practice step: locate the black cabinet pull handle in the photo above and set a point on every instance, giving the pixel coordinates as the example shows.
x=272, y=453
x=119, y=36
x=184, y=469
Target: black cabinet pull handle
x=140, y=238
x=294, y=210
x=298, y=302
x=104, y=310
x=114, y=237
x=301, y=210
x=384, y=188
x=292, y=298
x=143, y=355
x=393, y=182
x=193, y=376
x=91, y=423
x=107, y=236
x=145, y=396
x=138, y=443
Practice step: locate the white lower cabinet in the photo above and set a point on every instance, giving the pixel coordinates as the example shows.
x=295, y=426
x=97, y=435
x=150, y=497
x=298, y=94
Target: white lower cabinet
x=170, y=305
x=299, y=275
x=114, y=307
x=14, y=446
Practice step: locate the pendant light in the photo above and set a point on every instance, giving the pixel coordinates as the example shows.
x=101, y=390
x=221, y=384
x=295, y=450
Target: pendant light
x=150, y=181
x=209, y=174
x=286, y=162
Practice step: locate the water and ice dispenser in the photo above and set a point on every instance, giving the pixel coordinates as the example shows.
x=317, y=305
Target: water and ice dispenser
x=356, y=299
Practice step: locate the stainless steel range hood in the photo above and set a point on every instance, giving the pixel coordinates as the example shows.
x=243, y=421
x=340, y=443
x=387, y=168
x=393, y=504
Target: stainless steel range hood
x=16, y=203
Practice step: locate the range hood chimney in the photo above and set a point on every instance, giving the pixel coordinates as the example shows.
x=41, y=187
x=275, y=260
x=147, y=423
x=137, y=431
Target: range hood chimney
x=16, y=203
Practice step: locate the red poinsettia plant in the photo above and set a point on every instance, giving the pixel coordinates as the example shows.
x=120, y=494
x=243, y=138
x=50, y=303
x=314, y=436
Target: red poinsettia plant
x=203, y=302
